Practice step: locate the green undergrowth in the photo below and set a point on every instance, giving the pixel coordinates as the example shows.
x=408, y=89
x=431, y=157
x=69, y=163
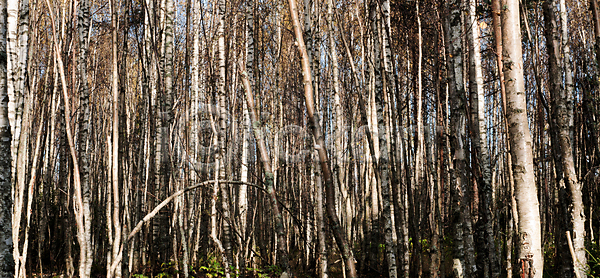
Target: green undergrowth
x=210, y=267
x=593, y=259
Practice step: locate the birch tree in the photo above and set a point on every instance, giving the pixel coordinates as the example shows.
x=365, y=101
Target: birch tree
x=17, y=50
x=84, y=232
x=384, y=155
x=530, y=257
x=463, y=262
x=6, y=244
x=479, y=140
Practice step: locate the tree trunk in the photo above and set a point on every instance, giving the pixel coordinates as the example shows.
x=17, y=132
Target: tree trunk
x=554, y=72
x=6, y=244
x=221, y=136
x=115, y=270
x=383, y=161
x=596, y=23
x=565, y=122
x=531, y=261
x=479, y=140
x=464, y=263
x=320, y=146
x=269, y=177
x=17, y=52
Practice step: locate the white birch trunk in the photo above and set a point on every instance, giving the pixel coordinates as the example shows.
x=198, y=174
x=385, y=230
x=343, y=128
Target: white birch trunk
x=530, y=242
x=383, y=146
x=6, y=243
x=115, y=269
x=480, y=139
x=565, y=124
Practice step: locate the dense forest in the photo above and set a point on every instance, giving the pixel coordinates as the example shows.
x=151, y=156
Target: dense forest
x=265, y=138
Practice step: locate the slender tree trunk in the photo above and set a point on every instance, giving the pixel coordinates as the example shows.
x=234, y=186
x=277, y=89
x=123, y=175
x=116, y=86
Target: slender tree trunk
x=221, y=135
x=531, y=261
x=243, y=191
x=321, y=232
x=554, y=60
x=85, y=243
x=115, y=270
x=383, y=161
x=320, y=146
x=596, y=23
x=269, y=177
x=6, y=244
x=463, y=264
x=511, y=211
x=479, y=140
x=81, y=192
x=565, y=122
x=19, y=184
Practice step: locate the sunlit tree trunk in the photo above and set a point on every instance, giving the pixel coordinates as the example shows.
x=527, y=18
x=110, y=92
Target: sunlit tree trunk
x=152, y=162
x=17, y=57
x=21, y=132
x=269, y=177
x=84, y=232
x=115, y=270
x=565, y=124
x=81, y=193
x=530, y=257
x=243, y=191
x=320, y=146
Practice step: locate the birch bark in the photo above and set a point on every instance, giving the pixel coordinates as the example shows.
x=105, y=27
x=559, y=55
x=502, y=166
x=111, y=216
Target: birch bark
x=6, y=244
x=383, y=162
x=221, y=135
x=84, y=231
x=479, y=140
x=531, y=261
x=464, y=264
x=565, y=124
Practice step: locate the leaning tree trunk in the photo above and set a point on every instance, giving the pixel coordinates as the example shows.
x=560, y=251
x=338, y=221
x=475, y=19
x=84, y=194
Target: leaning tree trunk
x=269, y=176
x=317, y=132
x=531, y=260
